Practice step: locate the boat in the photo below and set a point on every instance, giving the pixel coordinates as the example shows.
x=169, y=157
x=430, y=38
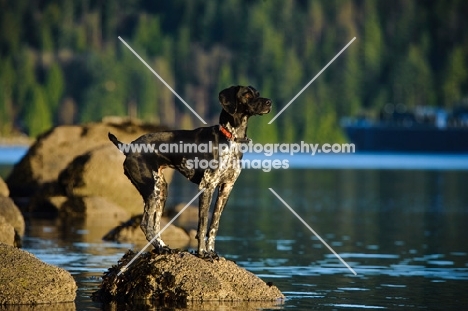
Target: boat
x=423, y=130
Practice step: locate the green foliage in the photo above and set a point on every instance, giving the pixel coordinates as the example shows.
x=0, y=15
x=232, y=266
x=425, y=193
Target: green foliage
x=61, y=57
x=54, y=85
x=7, y=80
x=38, y=116
x=148, y=35
x=106, y=95
x=455, y=77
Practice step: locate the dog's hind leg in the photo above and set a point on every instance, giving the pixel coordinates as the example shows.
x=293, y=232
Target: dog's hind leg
x=223, y=196
x=154, y=207
x=161, y=185
x=153, y=189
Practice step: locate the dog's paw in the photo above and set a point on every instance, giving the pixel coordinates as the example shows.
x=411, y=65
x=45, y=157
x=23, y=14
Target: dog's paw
x=165, y=250
x=208, y=256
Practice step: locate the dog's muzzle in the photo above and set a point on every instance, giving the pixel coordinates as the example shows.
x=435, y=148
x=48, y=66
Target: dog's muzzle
x=266, y=107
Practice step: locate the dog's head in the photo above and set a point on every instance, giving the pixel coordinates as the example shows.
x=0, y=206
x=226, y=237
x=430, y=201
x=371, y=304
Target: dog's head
x=244, y=100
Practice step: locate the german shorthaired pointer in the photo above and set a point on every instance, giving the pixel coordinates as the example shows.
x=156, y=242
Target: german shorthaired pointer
x=145, y=169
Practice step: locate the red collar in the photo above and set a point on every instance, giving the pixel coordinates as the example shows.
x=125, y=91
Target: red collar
x=225, y=132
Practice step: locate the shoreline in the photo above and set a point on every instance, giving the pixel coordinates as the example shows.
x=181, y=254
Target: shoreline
x=21, y=141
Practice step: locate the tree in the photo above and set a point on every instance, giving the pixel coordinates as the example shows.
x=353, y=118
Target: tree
x=455, y=77
x=413, y=83
x=54, y=86
x=405, y=52
x=38, y=116
x=106, y=94
x=7, y=79
x=148, y=36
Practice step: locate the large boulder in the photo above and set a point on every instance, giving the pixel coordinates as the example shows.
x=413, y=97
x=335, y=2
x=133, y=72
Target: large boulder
x=99, y=172
x=24, y=279
x=7, y=232
x=182, y=277
x=4, y=191
x=53, y=151
x=98, y=208
x=12, y=215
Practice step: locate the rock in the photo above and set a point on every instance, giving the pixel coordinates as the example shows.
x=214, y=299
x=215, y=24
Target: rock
x=24, y=279
x=11, y=219
x=57, y=202
x=93, y=215
x=38, y=170
x=188, y=219
x=7, y=232
x=130, y=232
x=92, y=207
x=13, y=216
x=182, y=277
x=46, y=207
x=4, y=191
x=100, y=173
x=60, y=306
x=234, y=305
x=43, y=207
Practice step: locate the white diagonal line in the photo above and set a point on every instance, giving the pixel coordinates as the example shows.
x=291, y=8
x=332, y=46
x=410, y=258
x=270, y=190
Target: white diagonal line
x=159, y=232
x=312, y=230
x=310, y=82
x=162, y=80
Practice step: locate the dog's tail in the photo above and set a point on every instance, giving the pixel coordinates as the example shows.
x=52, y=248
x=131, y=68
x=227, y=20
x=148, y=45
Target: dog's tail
x=114, y=140
x=117, y=143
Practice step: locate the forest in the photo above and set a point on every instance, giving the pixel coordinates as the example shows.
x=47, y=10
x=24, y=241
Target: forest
x=61, y=62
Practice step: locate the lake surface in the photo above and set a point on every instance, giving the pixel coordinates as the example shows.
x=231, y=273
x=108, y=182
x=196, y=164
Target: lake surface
x=404, y=231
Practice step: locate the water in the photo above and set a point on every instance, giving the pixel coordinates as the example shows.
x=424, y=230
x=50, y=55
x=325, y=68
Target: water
x=403, y=231
x=9, y=155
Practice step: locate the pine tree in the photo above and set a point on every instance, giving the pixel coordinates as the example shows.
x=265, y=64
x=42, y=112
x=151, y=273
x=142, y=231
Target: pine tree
x=7, y=79
x=54, y=85
x=454, y=86
x=38, y=116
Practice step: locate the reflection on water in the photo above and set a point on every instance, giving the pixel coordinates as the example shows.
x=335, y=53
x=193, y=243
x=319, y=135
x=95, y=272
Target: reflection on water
x=403, y=231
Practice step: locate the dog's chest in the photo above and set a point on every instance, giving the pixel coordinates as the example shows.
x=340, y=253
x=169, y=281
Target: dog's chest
x=227, y=169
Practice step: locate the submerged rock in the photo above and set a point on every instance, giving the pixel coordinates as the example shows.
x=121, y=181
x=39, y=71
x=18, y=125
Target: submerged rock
x=24, y=279
x=182, y=277
x=130, y=232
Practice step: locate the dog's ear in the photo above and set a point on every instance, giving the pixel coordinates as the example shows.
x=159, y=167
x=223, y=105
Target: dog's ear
x=228, y=99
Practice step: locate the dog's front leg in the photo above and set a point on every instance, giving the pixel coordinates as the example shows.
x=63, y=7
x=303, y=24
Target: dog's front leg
x=203, y=210
x=223, y=196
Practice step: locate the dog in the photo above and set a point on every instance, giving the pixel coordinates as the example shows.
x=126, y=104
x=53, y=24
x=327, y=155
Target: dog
x=145, y=170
